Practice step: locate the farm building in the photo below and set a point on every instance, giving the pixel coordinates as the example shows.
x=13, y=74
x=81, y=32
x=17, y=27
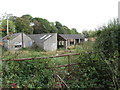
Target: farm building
x=16, y=41
x=69, y=39
x=47, y=41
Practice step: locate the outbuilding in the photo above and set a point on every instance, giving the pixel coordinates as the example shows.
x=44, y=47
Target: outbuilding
x=47, y=41
x=70, y=39
x=17, y=41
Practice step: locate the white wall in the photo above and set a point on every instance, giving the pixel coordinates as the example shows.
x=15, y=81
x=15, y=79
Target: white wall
x=18, y=39
x=51, y=43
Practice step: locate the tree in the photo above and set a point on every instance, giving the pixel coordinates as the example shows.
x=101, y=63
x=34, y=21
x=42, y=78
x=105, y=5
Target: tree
x=41, y=26
x=74, y=31
x=90, y=33
x=85, y=32
x=23, y=25
x=108, y=38
x=60, y=28
x=11, y=27
x=66, y=30
x=30, y=25
x=53, y=28
x=27, y=17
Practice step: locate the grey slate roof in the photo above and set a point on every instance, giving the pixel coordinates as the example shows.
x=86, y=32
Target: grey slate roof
x=40, y=37
x=12, y=36
x=72, y=36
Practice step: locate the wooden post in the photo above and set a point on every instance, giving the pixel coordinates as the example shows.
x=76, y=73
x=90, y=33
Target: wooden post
x=68, y=42
x=74, y=43
x=79, y=41
x=68, y=63
x=65, y=45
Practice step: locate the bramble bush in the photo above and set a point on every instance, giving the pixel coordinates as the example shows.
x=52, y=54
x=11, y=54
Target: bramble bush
x=30, y=74
x=93, y=72
x=108, y=40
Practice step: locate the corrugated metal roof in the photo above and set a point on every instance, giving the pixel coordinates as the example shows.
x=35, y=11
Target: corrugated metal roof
x=41, y=37
x=72, y=36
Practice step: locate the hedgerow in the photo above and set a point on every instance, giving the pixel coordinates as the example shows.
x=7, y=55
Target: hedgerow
x=30, y=74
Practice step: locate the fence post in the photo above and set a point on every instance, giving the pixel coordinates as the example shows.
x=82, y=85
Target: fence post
x=68, y=63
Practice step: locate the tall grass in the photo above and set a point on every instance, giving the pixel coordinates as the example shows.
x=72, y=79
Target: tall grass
x=85, y=47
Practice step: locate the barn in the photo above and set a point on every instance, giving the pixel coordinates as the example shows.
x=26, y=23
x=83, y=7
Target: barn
x=17, y=41
x=47, y=41
x=69, y=39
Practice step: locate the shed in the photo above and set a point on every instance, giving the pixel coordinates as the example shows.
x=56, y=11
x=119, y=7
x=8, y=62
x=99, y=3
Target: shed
x=47, y=41
x=17, y=41
x=70, y=39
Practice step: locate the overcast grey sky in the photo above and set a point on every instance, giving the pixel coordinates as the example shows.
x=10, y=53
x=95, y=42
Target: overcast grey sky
x=79, y=14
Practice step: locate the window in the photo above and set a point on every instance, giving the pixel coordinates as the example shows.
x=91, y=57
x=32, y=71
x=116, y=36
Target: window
x=43, y=37
x=48, y=36
x=18, y=46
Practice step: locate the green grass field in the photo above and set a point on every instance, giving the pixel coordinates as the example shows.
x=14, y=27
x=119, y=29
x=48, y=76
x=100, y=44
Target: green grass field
x=29, y=53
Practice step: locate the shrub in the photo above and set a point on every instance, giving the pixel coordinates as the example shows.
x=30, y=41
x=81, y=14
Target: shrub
x=93, y=72
x=108, y=39
x=108, y=42
x=31, y=74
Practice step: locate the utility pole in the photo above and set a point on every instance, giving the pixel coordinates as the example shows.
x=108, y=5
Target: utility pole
x=7, y=27
x=7, y=16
